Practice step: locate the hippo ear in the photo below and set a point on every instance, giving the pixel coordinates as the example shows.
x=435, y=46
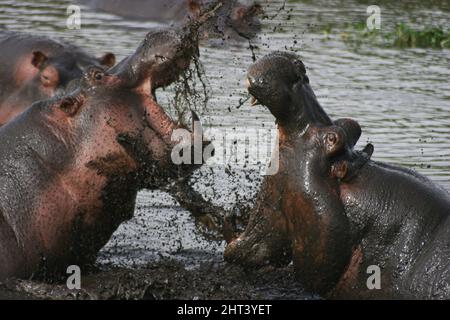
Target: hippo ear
x=194, y=8
x=250, y=11
x=368, y=149
x=71, y=104
x=38, y=59
x=351, y=128
x=256, y=9
x=108, y=59
x=240, y=13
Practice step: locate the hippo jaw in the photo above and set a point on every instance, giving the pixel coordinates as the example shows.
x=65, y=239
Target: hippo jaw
x=159, y=60
x=145, y=129
x=279, y=82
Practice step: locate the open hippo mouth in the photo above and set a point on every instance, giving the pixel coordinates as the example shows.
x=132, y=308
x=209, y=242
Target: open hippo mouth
x=279, y=82
x=158, y=62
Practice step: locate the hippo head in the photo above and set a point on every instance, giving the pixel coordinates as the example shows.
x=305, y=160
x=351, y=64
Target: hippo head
x=239, y=17
x=57, y=69
x=279, y=82
x=310, y=145
x=244, y=19
x=115, y=116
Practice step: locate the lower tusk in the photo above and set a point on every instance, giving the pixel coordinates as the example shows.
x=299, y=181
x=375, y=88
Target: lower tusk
x=254, y=101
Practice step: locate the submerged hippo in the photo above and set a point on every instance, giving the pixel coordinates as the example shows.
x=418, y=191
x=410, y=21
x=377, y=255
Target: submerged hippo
x=70, y=167
x=34, y=67
x=336, y=212
x=235, y=18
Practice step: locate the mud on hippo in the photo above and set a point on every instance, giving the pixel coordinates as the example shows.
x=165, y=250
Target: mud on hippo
x=34, y=67
x=335, y=212
x=70, y=167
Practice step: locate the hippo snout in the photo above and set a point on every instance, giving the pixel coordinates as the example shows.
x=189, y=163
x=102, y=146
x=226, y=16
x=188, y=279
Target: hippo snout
x=253, y=253
x=245, y=254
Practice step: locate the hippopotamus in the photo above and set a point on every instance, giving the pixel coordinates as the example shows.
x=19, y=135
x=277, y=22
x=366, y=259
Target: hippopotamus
x=71, y=166
x=335, y=213
x=36, y=67
x=235, y=19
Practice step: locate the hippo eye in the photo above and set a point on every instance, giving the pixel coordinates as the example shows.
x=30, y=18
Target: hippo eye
x=45, y=80
x=98, y=76
x=331, y=138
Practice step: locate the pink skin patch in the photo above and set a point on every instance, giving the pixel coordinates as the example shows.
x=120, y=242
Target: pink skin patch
x=49, y=78
x=24, y=70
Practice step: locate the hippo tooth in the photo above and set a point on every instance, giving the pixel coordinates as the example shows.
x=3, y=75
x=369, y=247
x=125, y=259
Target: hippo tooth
x=254, y=101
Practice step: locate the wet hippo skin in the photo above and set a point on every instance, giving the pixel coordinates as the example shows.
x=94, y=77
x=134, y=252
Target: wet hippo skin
x=35, y=67
x=70, y=167
x=335, y=211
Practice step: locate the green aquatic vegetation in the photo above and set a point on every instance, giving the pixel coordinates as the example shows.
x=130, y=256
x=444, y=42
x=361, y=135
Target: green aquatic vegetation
x=327, y=31
x=428, y=37
x=401, y=36
x=358, y=33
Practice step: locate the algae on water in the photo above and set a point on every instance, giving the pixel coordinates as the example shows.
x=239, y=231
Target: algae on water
x=401, y=36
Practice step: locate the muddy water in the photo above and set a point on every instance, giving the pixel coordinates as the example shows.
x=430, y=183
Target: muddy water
x=401, y=98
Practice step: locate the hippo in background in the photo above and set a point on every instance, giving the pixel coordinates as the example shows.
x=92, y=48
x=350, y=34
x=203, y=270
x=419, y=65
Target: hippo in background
x=335, y=212
x=237, y=19
x=34, y=67
x=71, y=166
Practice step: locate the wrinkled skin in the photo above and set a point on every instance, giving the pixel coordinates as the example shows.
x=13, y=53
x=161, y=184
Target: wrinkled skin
x=70, y=167
x=335, y=210
x=34, y=68
x=234, y=19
